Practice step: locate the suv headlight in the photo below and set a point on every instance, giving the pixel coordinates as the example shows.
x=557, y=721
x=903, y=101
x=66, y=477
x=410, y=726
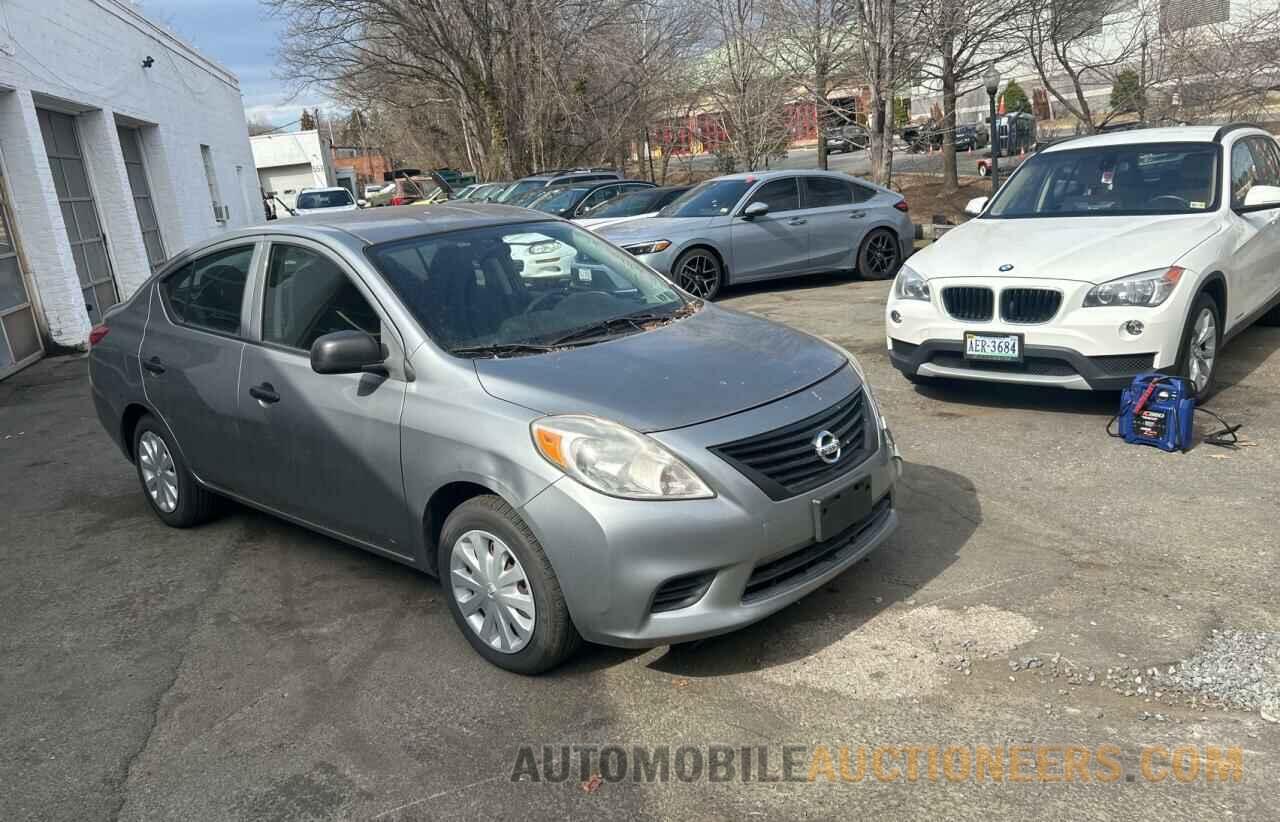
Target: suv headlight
x=647, y=248
x=1146, y=288
x=910, y=285
x=614, y=460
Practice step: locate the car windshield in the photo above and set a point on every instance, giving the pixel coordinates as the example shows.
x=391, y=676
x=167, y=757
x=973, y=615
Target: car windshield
x=710, y=199
x=1143, y=178
x=557, y=200
x=524, y=288
x=628, y=205
x=325, y=199
x=523, y=187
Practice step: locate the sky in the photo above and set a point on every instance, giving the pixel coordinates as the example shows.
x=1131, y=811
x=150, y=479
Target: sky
x=244, y=37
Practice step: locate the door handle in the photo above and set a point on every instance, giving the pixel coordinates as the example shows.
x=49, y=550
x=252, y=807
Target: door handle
x=154, y=365
x=857, y=215
x=797, y=221
x=264, y=392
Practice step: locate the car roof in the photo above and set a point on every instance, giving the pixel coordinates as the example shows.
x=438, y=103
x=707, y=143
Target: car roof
x=1162, y=134
x=322, y=188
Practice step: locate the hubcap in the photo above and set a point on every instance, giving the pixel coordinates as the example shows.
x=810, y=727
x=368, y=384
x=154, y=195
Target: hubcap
x=492, y=591
x=158, y=473
x=1203, y=346
x=881, y=254
x=698, y=275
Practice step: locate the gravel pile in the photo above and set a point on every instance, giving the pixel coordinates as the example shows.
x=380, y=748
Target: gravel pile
x=1237, y=669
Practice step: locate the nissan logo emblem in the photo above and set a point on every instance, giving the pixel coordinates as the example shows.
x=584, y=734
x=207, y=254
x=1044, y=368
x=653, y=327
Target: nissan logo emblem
x=826, y=446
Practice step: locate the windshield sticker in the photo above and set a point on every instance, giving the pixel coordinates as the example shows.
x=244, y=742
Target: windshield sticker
x=1107, y=177
x=1197, y=204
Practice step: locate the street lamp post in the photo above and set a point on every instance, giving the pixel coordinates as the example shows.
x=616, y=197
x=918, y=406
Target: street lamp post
x=992, y=81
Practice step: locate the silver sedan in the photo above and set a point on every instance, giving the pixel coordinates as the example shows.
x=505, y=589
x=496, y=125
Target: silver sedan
x=761, y=226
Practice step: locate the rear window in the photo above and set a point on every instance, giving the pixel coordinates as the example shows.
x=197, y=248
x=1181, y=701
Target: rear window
x=325, y=199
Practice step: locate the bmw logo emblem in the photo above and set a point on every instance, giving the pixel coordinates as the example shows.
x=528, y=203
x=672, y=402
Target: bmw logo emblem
x=1006, y=267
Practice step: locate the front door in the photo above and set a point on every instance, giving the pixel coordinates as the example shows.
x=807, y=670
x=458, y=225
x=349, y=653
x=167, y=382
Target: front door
x=190, y=358
x=776, y=244
x=1254, y=161
x=324, y=447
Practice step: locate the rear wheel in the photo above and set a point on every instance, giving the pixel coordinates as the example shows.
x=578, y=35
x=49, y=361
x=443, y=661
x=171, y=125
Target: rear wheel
x=699, y=272
x=879, y=255
x=170, y=488
x=1201, y=339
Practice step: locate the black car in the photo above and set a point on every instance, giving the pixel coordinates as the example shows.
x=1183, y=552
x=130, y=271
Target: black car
x=971, y=136
x=846, y=139
x=576, y=200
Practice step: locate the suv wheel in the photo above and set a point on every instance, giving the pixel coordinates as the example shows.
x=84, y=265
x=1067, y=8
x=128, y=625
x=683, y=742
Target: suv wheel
x=502, y=592
x=1201, y=339
x=170, y=488
x=880, y=255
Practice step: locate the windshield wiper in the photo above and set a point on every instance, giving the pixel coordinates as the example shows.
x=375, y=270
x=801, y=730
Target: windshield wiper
x=500, y=350
x=636, y=321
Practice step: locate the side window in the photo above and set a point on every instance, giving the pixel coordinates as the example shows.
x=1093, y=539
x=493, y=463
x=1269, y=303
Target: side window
x=1243, y=172
x=1266, y=161
x=861, y=193
x=823, y=192
x=307, y=296
x=208, y=293
x=598, y=197
x=779, y=195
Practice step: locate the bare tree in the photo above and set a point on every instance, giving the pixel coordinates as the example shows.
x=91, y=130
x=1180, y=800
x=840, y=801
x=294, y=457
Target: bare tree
x=887, y=32
x=747, y=92
x=259, y=125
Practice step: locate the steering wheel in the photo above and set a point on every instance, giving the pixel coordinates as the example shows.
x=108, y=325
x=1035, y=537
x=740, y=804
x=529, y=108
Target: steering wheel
x=1180, y=201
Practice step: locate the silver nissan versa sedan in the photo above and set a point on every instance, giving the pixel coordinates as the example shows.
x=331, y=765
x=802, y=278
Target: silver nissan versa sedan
x=593, y=456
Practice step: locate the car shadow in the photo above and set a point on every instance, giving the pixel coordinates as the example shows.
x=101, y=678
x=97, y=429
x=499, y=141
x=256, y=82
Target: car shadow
x=1246, y=354
x=830, y=278
x=1012, y=395
x=938, y=512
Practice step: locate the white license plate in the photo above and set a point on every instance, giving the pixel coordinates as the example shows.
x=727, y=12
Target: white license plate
x=1001, y=347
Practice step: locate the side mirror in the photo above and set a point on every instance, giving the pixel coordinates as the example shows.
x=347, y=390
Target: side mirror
x=975, y=206
x=754, y=210
x=362, y=203
x=346, y=352
x=1263, y=196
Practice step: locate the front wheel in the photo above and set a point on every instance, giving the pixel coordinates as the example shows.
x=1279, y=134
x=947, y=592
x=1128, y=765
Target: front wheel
x=880, y=255
x=982, y=170
x=699, y=272
x=502, y=591
x=1201, y=339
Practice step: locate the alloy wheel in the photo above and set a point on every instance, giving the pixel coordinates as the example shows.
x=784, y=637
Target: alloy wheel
x=699, y=274
x=1203, y=347
x=492, y=591
x=881, y=255
x=159, y=475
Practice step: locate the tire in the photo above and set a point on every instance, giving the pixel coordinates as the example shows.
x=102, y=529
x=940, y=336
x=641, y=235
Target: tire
x=983, y=170
x=879, y=255
x=699, y=272
x=514, y=639
x=168, y=485
x=1201, y=344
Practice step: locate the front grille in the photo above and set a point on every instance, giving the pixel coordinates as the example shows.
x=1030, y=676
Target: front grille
x=681, y=592
x=1039, y=366
x=810, y=561
x=969, y=303
x=1123, y=365
x=1029, y=305
x=784, y=462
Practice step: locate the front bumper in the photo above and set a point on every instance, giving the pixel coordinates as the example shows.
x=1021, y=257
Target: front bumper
x=611, y=556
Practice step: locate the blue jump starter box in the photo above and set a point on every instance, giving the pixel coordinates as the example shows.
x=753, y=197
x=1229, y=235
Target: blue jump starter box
x=1157, y=410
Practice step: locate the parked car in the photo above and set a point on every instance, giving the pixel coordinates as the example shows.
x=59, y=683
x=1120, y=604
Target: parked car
x=637, y=205
x=760, y=226
x=548, y=448
x=534, y=182
x=487, y=192
x=313, y=200
x=465, y=192
x=576, y=200
x=1101, y=258
x=971, y=136
x=847, y=138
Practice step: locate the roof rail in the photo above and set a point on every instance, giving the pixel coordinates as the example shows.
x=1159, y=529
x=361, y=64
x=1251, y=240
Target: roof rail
x=1230, y=127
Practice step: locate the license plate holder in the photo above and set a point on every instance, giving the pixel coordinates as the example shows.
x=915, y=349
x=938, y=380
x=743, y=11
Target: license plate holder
x=990, y=347
x=835, y=513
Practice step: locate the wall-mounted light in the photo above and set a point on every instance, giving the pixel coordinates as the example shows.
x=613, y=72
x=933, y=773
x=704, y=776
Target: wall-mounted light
x=148, y=61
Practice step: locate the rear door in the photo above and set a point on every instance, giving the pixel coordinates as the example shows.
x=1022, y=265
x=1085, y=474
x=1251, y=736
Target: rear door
x=324, y=447
x=837, y=221
x=190, y=357
x=776, y=244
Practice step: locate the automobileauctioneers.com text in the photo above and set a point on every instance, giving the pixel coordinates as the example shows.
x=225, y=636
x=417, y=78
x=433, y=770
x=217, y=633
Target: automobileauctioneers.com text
x=1101, y=764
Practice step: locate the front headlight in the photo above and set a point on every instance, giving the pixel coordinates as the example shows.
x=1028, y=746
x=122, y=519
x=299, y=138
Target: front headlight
x=1148, y=288
x=910, y=285
x=647, y=248
x=544, y=248
x=614, y=460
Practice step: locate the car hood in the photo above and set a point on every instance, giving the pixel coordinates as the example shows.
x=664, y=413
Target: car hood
x=652, y=228
x=594, y=223
x=1086, y=249
x=712, y=364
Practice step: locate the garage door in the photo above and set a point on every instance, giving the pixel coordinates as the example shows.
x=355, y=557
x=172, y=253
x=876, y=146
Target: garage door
x=19, y=341
x=287, y=181
x=88, y=245
x=131, y=148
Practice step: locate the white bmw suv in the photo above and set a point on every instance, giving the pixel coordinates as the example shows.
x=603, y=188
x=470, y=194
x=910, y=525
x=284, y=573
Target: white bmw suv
x=1100, y=258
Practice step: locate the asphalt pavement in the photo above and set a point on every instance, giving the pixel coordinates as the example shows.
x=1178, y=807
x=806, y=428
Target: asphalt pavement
x=251, y=670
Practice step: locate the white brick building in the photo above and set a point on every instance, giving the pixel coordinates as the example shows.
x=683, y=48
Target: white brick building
x=120, y=145
x=291, y=161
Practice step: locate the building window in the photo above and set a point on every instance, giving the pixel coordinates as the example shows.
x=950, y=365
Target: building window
x=220, y=212
x=143, y=203
x=1179, y=15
